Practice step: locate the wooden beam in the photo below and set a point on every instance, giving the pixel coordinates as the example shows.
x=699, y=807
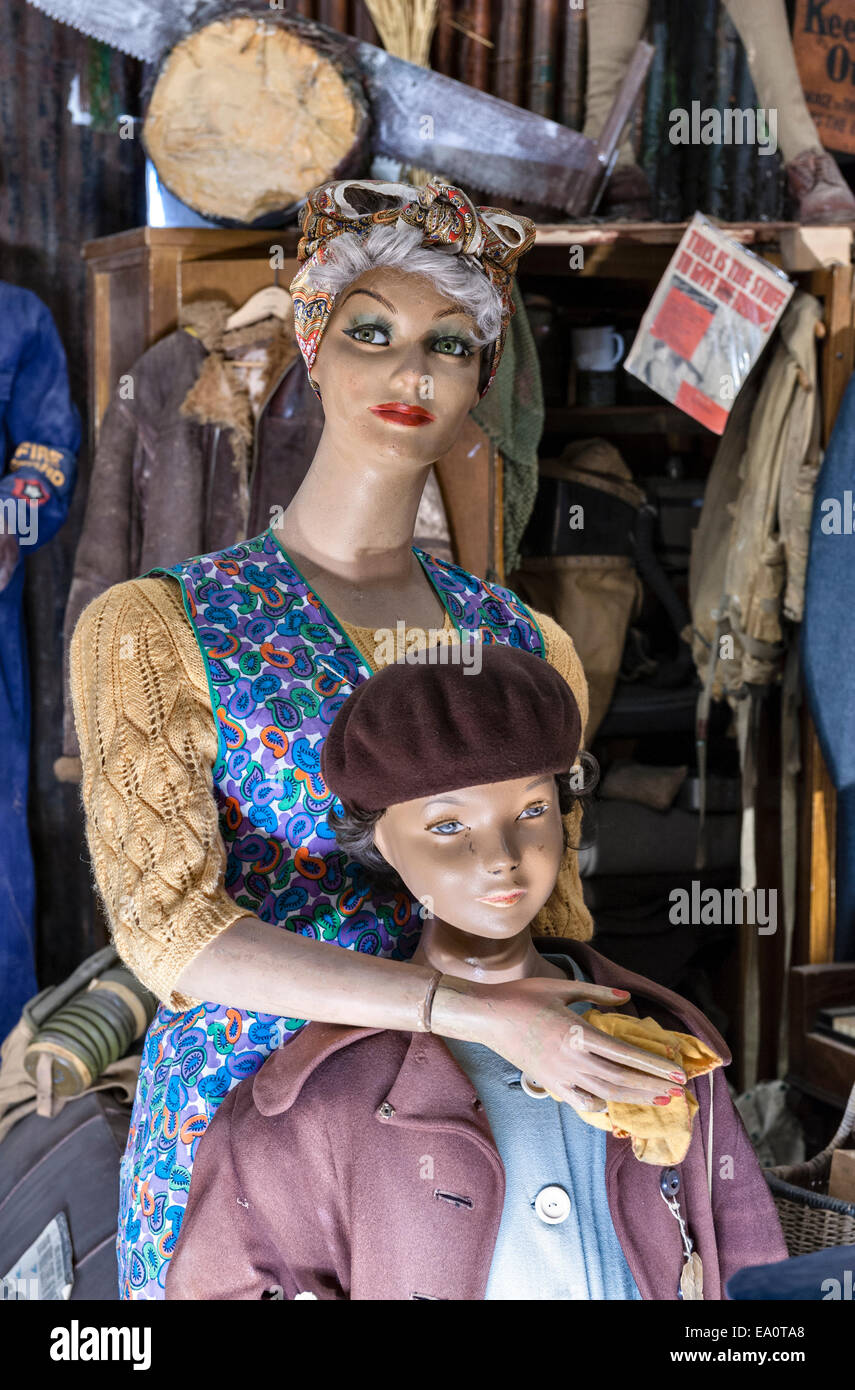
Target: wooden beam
x=823, y=854
x=639, y=250
x=838, y=353
x=809, y=248
x=658, y=233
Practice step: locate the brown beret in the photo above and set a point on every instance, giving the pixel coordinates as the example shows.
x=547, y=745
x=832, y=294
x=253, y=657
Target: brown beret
x=415, y=730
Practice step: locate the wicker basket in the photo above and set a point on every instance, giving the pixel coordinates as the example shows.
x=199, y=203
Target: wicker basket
x=811, y=1220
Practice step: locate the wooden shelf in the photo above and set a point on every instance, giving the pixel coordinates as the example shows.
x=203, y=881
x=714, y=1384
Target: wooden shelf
x=659, y=233
x=190, y=242
x=620, y=419
x=630, y=250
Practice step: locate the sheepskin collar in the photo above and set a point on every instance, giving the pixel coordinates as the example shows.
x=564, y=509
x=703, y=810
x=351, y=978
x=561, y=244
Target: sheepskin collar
x=219, y=396
x=211, y=400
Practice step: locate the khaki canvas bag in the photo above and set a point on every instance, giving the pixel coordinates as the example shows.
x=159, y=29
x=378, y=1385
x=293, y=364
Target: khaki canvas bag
x=592, y=596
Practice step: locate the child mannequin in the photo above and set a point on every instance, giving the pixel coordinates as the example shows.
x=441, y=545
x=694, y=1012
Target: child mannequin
x=365, y=1164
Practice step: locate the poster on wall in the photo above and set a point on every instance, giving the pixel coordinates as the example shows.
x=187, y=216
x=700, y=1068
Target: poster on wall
x=710, y=318
x=824, y=45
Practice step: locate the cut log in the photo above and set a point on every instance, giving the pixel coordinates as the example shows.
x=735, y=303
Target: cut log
x=247, y=115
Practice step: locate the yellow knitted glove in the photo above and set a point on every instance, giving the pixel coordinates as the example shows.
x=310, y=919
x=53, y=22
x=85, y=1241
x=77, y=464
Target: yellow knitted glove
x=660, y=1133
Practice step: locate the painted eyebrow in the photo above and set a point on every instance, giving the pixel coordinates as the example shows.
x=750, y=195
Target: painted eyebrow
x=441, y=314
x=442, y=801
x=538, y=781
x=391, y=307
x=453, y=800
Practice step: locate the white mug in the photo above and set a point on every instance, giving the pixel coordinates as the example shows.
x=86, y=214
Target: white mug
x=596, y=349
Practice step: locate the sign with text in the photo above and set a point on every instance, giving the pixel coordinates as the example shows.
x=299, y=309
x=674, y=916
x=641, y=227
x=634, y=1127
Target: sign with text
x=824, y=45
x=710, y=317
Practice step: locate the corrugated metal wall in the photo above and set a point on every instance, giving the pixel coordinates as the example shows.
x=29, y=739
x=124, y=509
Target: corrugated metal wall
x=61, y=183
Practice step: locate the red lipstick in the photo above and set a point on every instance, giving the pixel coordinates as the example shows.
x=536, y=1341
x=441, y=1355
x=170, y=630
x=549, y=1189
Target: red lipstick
x=504, y=899
x=400, y=413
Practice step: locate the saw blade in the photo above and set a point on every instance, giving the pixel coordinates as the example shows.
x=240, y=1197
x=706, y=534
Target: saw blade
x=423, y=118
x=141, y=28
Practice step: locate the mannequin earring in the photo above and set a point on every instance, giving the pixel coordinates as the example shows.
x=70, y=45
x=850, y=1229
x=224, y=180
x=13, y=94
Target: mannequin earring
x=315, y=387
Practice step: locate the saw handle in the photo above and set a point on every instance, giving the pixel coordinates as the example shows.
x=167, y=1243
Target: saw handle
x=622, y=108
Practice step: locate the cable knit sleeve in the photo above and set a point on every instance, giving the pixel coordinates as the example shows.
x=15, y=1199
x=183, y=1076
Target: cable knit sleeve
x=565, y=913
x=148, y=744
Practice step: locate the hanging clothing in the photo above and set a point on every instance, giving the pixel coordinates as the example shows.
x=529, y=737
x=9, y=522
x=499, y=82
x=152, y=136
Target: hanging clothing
x=746, y=576
x=512, y=414
x=746, y=590
x=277, y=666
x=39, y=440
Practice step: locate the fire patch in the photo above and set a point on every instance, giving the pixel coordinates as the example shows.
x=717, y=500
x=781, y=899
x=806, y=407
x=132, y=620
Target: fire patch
x=40, y=457
x=32, y=489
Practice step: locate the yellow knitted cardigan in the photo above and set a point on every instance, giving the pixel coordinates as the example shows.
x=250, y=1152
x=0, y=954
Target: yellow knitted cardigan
x=148, y=744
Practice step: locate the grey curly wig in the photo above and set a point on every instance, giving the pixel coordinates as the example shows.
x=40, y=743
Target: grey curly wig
x=456, y=276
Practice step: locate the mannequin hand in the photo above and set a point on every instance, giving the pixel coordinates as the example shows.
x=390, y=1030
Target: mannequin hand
x=528, y=1023
x=9, y=553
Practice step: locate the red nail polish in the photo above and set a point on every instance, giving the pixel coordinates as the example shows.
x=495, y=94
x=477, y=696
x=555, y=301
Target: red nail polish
x=675, y=1076
x=675, y=1091
x=661, y=1100
x=621, y=991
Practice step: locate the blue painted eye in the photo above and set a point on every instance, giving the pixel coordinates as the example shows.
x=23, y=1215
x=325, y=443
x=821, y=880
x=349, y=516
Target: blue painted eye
x=531, y=812
x=442, y=827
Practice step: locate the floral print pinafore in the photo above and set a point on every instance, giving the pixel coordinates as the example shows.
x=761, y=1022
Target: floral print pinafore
x=279, y=668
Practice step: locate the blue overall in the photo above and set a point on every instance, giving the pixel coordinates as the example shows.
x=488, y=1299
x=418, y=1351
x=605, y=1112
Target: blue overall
x=828, y=647
x=39, y=439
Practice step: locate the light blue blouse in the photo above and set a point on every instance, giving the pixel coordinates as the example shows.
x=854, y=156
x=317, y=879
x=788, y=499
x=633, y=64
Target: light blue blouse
x=544, y=1144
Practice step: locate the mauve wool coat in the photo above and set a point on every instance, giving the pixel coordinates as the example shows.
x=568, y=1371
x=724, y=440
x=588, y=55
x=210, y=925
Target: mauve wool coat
x=309, y=1178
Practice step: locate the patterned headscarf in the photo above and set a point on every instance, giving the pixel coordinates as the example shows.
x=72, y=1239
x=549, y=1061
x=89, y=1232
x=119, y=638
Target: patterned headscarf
x=446, y=216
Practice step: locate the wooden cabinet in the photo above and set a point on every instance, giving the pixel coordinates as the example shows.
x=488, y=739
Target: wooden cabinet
x=819, y=1064
x=137, y=281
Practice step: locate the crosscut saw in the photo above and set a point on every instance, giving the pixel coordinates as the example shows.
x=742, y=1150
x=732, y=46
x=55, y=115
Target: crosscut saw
x=419, y=116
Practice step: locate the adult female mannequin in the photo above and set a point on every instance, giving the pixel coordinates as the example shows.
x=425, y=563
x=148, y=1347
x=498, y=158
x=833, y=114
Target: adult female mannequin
x=200, y=925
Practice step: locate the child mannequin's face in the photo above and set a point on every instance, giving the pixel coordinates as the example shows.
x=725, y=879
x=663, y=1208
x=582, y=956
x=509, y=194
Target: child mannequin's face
x=391, y=339
x=455, y=849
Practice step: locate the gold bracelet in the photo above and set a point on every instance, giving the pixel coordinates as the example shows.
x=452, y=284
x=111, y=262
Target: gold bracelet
x=427, y=1002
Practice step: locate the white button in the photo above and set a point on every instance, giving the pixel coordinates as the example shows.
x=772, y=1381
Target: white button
x=531, y=1088
x=552, y=1204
